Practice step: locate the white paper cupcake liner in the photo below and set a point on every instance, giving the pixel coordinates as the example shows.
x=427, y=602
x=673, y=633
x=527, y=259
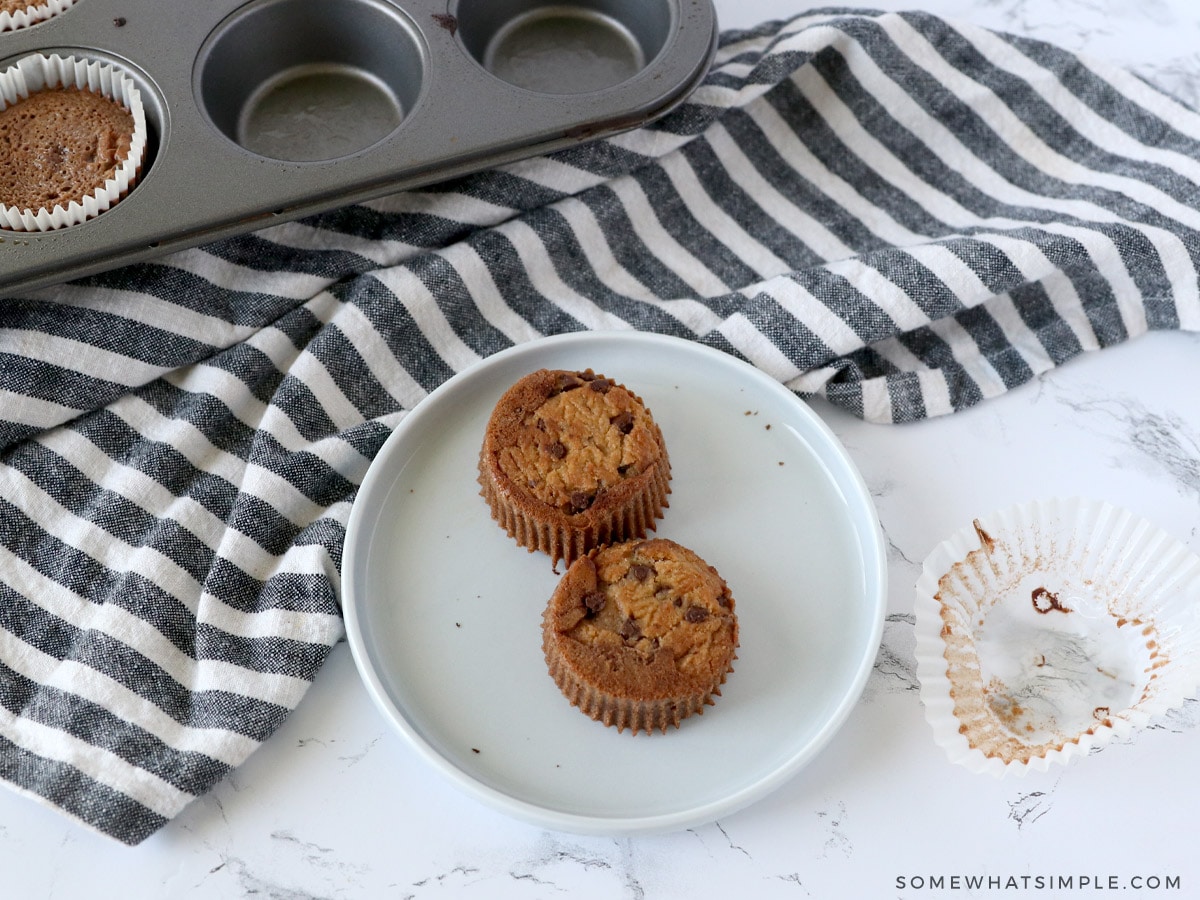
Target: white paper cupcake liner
x=32, y=14
x=35, y=73
x=1047, y=629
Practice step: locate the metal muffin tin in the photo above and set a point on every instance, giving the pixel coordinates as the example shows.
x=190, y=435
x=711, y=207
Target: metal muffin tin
x=269, y=110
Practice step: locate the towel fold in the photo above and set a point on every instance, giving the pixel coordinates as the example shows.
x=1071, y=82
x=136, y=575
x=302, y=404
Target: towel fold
x=897, y=213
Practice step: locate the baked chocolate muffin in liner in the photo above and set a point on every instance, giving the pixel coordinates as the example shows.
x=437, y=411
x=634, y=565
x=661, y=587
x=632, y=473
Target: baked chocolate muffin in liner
x=640, y=635
x=15, y=14
x=1048, y=629
x=571, y=461
x=47, y=140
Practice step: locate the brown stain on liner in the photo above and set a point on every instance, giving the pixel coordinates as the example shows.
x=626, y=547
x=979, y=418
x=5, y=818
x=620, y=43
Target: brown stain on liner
x=1046, y=601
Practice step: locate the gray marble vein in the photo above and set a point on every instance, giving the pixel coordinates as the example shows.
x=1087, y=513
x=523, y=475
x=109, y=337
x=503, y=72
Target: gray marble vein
x=895, y=670
x=1159, y=442
x=1027, y=808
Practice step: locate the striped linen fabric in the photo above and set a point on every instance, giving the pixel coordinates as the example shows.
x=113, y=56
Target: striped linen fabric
x=902, y=215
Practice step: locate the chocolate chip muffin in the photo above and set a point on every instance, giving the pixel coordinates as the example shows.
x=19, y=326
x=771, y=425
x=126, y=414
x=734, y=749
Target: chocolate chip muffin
x=572, y=461
x=640, y=634
x=59, y=146
x=73, y=140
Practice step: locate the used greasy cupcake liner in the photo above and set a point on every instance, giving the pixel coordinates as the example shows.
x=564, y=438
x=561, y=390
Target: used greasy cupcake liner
x=1048, y=629
x=32, y=13
x=38, y=72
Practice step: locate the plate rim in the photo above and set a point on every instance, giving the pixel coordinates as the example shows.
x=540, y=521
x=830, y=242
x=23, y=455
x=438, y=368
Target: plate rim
x=874, y=567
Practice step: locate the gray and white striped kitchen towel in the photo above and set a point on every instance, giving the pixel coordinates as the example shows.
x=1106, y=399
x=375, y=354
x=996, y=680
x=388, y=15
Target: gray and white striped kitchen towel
x=900, y=214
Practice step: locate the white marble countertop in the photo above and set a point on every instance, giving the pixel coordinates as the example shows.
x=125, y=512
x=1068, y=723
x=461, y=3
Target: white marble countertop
x=336, y=805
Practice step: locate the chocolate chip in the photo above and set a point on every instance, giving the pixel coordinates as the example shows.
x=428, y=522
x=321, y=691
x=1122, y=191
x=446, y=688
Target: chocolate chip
x=557, y=450
x=640, y=571
x=593, y=602
x=567, y=382
x=631, y=631
x=601, y=385
x=624, y=469
x=696, y=614
x=725, y=600
x=580, y=501
x=623, y=422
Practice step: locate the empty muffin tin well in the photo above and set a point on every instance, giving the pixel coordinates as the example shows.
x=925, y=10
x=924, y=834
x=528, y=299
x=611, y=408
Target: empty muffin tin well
x=269, y=110
x=558, y=48
x=294, y=80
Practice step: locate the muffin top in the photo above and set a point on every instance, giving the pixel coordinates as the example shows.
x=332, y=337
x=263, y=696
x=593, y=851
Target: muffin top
x=645, y=620
x=60, y=145
x=566, y=438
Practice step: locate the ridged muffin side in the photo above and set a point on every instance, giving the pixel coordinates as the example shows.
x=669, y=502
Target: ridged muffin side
x=641, y=634
x=572, y=460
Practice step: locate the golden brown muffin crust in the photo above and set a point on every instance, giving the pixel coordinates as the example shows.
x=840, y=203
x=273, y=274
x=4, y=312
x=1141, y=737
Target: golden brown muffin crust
x=60, y=145
x=587, y=435
x=573, y=460
x=641, y=634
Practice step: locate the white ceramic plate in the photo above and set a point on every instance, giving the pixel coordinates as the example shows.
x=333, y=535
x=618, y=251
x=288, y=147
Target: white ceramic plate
x=443, y=610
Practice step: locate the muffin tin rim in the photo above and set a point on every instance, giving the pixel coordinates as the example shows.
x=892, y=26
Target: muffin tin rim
x=137, y=229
